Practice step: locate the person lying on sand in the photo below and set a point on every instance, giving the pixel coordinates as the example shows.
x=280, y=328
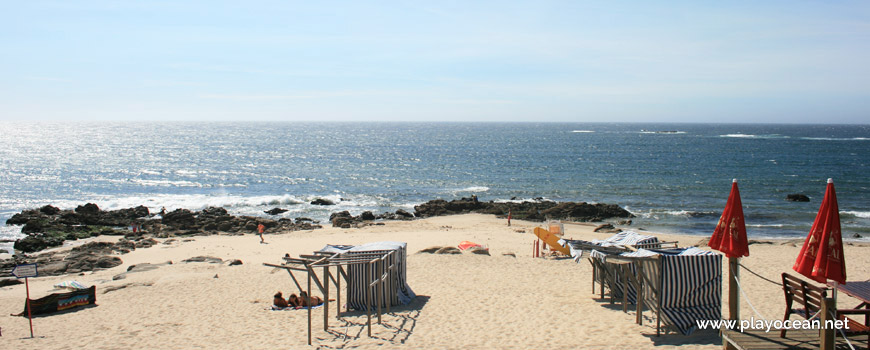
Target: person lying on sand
x=293, y=300
x=303, y=300
x=279, y=300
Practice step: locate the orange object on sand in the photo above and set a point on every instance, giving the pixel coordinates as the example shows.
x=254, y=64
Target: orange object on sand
x=551, y=240
x=466, y=244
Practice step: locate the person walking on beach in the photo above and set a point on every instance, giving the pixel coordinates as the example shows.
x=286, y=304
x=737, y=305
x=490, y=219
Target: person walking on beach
x=509, y=217
x=260, y=229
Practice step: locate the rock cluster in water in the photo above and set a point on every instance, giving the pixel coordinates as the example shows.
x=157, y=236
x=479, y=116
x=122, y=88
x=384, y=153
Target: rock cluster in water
x=538, y=210
x=797, y=197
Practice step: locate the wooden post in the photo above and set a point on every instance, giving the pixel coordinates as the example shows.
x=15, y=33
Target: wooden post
x=29, y=315
x=338, y=291
x=639, y=297
x=368, y=283
x=624, y=288
x=733, y=289
x=308, y=302
x=325, y=298
x=380, y=286
x=594, y=271
x=733, y=296
x=826, y=336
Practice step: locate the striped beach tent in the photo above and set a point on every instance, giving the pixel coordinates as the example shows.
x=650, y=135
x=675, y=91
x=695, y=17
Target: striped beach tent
x=628, y=238
x=681, y=285
x=398, y=291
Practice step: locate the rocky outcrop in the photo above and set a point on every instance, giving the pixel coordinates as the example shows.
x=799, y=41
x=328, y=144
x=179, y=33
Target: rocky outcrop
x=797, y=197
x=49, y=226
x=344, y=219
x=538, y=210
x=607, y=228
x=275, y=211
x=321, y=201
x=86, y=257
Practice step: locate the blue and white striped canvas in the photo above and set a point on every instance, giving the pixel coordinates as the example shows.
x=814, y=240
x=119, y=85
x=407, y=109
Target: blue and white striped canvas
x=691, y=284
x=691, y=288
x=358, y=280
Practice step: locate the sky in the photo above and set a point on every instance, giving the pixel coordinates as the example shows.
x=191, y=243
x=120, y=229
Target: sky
x=505, y=61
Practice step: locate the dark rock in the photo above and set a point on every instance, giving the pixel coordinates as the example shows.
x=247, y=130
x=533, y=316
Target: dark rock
x=49, y=226
x=538, y=210
x=107, y=262
x=855, y=235
x=251, y=226
x=321, y=201
x=367, y=215
x=54, y=268
x=275, y=211
x=430, y=250
x=235, y=262
x=33, y=226
x=49, y=210
x=404, y=213
x=603, y=227
x=179, y=219
x=478, y=251
x=35, y=243
x=585, y=211
x=341, y=219
x=797, y=197
x=213, y=212
x=89, y=208
x=226, y=227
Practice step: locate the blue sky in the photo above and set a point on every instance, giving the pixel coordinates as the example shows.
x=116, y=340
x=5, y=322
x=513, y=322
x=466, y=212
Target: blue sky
x=561, y=61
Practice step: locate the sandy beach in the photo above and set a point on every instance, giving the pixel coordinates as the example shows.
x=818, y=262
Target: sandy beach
x=463, y=301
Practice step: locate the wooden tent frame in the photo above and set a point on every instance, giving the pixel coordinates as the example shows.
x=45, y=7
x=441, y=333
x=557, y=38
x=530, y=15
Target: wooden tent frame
x=638, y=279
x=376, y=273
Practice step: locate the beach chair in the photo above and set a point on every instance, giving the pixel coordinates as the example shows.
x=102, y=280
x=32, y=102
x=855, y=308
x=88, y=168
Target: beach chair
x=810, y=298
x=556, y=228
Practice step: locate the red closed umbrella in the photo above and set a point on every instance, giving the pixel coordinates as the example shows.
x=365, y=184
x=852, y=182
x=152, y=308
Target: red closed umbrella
x=821, y=258
x=730, y=238
x=730, y=234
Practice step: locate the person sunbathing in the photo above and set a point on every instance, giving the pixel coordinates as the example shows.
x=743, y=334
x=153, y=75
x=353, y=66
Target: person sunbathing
x=279, y=300
x=293, y=300
x=304, y=300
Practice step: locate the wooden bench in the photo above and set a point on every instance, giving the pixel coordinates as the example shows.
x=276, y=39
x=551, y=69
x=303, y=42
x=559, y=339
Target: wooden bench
x=810, y=297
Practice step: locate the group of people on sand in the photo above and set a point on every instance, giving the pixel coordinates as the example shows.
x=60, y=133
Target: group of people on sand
x=302, y=300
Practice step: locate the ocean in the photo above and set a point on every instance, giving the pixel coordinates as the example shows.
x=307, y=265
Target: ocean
x=674, y=177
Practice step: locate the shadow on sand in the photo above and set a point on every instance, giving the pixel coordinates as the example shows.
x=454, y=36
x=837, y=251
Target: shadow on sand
x=396, y=327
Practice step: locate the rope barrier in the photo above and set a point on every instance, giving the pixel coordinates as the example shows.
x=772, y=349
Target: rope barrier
x=747, y=298
x=834, y=317
x=760, y=276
